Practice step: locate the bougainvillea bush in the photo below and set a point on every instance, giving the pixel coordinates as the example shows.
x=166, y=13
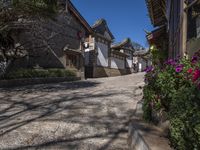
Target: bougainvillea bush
x=175, y=88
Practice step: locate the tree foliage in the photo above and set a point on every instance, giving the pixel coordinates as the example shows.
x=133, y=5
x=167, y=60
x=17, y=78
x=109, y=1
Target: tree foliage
x=14, y=15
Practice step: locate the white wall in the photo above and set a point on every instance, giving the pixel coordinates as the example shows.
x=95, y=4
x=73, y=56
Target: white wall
x=117, y=63
x=129, y=61
x=142, y=64
x=135, y=60
x=149, y=63
x=87, y=57
x=102, y=58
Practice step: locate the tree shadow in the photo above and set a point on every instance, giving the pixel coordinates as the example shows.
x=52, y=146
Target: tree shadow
x=76, y=103
x=52, y=87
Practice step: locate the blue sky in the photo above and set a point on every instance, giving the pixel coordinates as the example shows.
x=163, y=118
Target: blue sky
x=127, y=18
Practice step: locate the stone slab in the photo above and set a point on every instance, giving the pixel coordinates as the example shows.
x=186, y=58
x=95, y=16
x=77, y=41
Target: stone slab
x=146, y=136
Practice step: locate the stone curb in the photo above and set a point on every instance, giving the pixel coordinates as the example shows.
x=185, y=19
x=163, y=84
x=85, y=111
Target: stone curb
x=144, y=136
x=34, y=81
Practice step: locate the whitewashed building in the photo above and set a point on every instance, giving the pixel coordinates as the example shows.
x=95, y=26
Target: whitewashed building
x=126, y=50
x=141, y=60
x=104, y=60
x=97, y=55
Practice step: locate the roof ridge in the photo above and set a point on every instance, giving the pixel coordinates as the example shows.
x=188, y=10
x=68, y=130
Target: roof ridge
x=99, y=22
x=126, y=40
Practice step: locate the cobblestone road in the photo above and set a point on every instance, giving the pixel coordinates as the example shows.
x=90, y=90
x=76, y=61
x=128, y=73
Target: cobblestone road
x=84, y=115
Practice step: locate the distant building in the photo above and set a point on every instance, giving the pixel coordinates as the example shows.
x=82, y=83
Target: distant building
x=125, y=51
x=141, y=60
x=102, y=59
x=97, y=55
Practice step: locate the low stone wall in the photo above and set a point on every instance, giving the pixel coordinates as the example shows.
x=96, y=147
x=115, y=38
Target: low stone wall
x=109, y=72
x=33, y=81
x=193, y=46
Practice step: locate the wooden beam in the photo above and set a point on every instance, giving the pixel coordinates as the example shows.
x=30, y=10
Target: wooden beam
x=191, y=4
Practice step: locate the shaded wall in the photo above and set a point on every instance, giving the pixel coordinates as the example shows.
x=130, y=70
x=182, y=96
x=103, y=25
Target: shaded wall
x=108, y=72
x=46, y=46
x=117, y=63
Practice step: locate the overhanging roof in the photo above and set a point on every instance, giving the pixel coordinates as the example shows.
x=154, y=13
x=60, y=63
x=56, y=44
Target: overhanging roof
x=157, y=11
x=77, y=14
x=157, y=34
x=125, y=44
x=158, y=37
x=119, y=53
x=101, y=26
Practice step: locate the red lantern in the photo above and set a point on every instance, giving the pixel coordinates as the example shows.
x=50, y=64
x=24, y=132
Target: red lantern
x=80, y=35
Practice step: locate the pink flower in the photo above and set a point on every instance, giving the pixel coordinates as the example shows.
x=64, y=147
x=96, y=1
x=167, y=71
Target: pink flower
x=196, y=75
x=190, y=71
x=179, y=68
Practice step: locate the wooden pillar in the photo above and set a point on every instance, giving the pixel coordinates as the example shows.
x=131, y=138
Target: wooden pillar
x=183, y=29
x=82, y=61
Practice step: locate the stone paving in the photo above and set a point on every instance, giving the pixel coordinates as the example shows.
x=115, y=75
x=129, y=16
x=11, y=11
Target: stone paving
x=84, y=115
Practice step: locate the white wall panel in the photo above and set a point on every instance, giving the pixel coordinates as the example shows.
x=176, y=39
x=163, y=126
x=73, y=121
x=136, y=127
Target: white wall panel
x=117, y=63
x=102, y=58
x=129, y=63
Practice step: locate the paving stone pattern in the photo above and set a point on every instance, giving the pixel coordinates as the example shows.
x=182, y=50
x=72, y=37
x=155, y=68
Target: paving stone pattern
x=84, y=115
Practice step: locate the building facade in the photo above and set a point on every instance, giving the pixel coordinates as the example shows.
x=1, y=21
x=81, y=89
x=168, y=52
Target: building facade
x=54, y=42
x=126, y=48
x=67, y=41
x=97, y=55
x=141, y=60
x=181, y=19
x=102, y=59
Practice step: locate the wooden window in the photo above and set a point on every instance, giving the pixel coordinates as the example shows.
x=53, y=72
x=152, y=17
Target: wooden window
x=72, y=61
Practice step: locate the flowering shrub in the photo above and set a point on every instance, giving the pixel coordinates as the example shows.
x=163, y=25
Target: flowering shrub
x=175, y=88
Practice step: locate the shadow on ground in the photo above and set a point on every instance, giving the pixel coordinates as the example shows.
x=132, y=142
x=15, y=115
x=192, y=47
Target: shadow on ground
x=53, y=87
x=62, y=116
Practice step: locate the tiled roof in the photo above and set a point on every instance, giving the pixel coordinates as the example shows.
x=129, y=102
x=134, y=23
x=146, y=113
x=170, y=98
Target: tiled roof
x=101, y=26
x=141, y=53
x=126, y=44
x=119, y=53
x=144, y=54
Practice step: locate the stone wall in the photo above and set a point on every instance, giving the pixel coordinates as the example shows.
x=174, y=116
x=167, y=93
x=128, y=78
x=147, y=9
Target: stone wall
x=193, y=46
x=45, y=46
x=24, y=82
x=109, y=72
